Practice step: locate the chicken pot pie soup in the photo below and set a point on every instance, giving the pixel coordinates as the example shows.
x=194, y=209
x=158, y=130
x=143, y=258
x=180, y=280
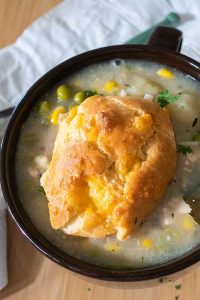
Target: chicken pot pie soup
x=109, y=159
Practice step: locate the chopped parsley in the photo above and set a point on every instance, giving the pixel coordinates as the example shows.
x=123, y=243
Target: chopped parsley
x=184, y=149
x=178, y=286
x=41, y=190
x=165, y=97
x=177, y=297
x=194, y=123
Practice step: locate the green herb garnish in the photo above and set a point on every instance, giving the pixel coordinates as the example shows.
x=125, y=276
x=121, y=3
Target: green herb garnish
x=184, y=149
x=177, y=297
x=165, y=97
x=178, y=286
x=41, y=190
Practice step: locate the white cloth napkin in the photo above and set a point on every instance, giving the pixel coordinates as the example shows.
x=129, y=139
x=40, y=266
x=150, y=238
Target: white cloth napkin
x=3, y=256
x=76, y=26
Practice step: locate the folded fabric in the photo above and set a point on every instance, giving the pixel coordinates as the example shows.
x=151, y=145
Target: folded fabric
x=3, y=256
x=73, y=27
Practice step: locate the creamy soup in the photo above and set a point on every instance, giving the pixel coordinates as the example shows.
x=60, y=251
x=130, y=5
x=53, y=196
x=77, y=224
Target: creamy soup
x=171, y=230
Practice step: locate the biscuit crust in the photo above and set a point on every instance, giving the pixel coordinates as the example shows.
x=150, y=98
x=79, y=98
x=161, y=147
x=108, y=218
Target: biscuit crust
x=113, y=159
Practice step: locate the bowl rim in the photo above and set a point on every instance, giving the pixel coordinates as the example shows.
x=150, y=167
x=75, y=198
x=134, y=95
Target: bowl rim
x=22, y=220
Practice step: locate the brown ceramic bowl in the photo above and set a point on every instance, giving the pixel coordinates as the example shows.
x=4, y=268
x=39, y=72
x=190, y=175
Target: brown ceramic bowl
x=163, y=48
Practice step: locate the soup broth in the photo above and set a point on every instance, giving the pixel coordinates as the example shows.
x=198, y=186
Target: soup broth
x=171, y=231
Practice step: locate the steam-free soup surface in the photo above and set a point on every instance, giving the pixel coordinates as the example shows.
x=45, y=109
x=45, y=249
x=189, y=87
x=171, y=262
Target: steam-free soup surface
x=171, y=231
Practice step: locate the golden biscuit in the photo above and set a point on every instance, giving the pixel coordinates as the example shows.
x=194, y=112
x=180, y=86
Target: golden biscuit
x=112, y=162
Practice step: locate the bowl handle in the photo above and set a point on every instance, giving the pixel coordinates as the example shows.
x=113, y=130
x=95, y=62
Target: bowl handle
x=166, y=37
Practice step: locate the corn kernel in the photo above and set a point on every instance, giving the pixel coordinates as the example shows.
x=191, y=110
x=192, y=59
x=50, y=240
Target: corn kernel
x=165, y=73
x=147, y=243
x=188, y=223
x=112, y=247
x=72, y=113
x=111, y=85
x=55, y=114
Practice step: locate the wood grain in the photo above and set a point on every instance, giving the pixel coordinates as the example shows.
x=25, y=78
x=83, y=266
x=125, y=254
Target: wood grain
x=16, y=15
x=31, y=275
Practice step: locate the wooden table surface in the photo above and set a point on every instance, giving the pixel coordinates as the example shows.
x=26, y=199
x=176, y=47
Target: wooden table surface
x=33, y=276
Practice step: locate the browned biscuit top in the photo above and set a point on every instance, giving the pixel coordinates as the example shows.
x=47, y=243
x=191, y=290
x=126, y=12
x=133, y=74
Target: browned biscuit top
x=112, y=162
